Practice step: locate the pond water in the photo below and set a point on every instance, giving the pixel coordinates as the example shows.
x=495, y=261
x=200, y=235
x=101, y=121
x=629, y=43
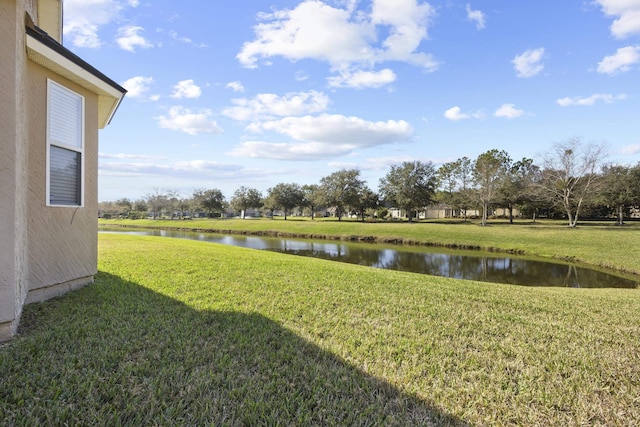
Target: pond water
x=471, y=265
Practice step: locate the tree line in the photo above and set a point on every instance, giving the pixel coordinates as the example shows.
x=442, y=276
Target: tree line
x=571, y=181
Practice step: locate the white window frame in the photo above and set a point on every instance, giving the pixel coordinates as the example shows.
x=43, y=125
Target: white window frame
x=77, y=146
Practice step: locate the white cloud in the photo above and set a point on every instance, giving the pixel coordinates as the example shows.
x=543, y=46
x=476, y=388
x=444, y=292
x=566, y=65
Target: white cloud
x=346, y=38
x=406, y=22
x=631, y=149
x=377, y=163
x=83, y=19
x=324, y=136
x=186, y=89
x=312, y=30
x=188, y=121
x=627, y=13
x=330, y=128
x=476, y=16
x=129, y=39
x=455, y=114
x=137, y=86
x=590, y=100
x=175, y=36
x=289, y=151
x=508, y=111
x=268, y=105
x=194, y=169
x=301, y=76
x=235, y=86
x=529, y=63
x=363, y=79
x=621, y=61
x=123, y=156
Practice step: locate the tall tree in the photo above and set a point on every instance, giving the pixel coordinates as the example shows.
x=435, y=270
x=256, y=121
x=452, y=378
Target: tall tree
x=182, y=205
x=409, y=186
x=570, y=175
x=269, y=204
x=157, y=202
x=342, y=189
x=286, y=196
x=173, y=200
x=455, y=179
x=367, y=200
x=489, y=171
x=245, y=198
x=312, y=197
x=140, y=205
x=620, y=188
x=211, y=201
x=124, y=205
x=516, y=189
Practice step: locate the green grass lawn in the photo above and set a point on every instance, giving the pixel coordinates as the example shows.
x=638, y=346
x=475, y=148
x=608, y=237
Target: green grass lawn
x=178, y=332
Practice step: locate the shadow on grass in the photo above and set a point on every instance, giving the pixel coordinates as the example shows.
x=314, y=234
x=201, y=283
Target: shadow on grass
x=116, y=353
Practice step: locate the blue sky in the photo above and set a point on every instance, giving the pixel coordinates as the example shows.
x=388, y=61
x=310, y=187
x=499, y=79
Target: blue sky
x=229, y=93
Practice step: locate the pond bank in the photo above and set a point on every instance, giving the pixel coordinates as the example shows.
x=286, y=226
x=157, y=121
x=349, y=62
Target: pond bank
x=345, y=238
x=434, y=261
x=599, y=246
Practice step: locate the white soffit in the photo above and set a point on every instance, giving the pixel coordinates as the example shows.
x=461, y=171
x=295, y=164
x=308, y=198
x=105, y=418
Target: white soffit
x=108, y=97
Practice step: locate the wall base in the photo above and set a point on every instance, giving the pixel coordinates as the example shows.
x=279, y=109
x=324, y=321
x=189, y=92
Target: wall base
x=43, y=294
x=8, y=330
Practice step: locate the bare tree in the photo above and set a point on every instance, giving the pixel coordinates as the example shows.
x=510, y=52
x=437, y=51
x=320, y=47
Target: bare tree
x=570, y=175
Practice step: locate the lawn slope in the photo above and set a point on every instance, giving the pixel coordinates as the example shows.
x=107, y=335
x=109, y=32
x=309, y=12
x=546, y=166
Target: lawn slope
x=192, y=333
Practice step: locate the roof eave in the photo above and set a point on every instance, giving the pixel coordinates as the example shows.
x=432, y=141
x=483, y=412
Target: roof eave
x=50, y=54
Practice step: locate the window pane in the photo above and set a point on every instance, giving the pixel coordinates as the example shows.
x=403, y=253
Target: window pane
x=64, y=177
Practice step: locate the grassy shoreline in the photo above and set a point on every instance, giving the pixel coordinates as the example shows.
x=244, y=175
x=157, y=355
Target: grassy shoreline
x=598, y=244
x=192, y=333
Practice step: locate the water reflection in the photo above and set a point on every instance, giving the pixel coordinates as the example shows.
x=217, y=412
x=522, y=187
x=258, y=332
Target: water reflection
x=471, y=265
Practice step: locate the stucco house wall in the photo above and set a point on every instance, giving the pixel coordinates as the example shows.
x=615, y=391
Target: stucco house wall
x=45, y=250
x=13, y=164
x=62, y=241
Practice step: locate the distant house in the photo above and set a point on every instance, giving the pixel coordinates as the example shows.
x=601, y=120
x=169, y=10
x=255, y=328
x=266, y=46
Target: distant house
x=433, y=212
x=52, y=104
